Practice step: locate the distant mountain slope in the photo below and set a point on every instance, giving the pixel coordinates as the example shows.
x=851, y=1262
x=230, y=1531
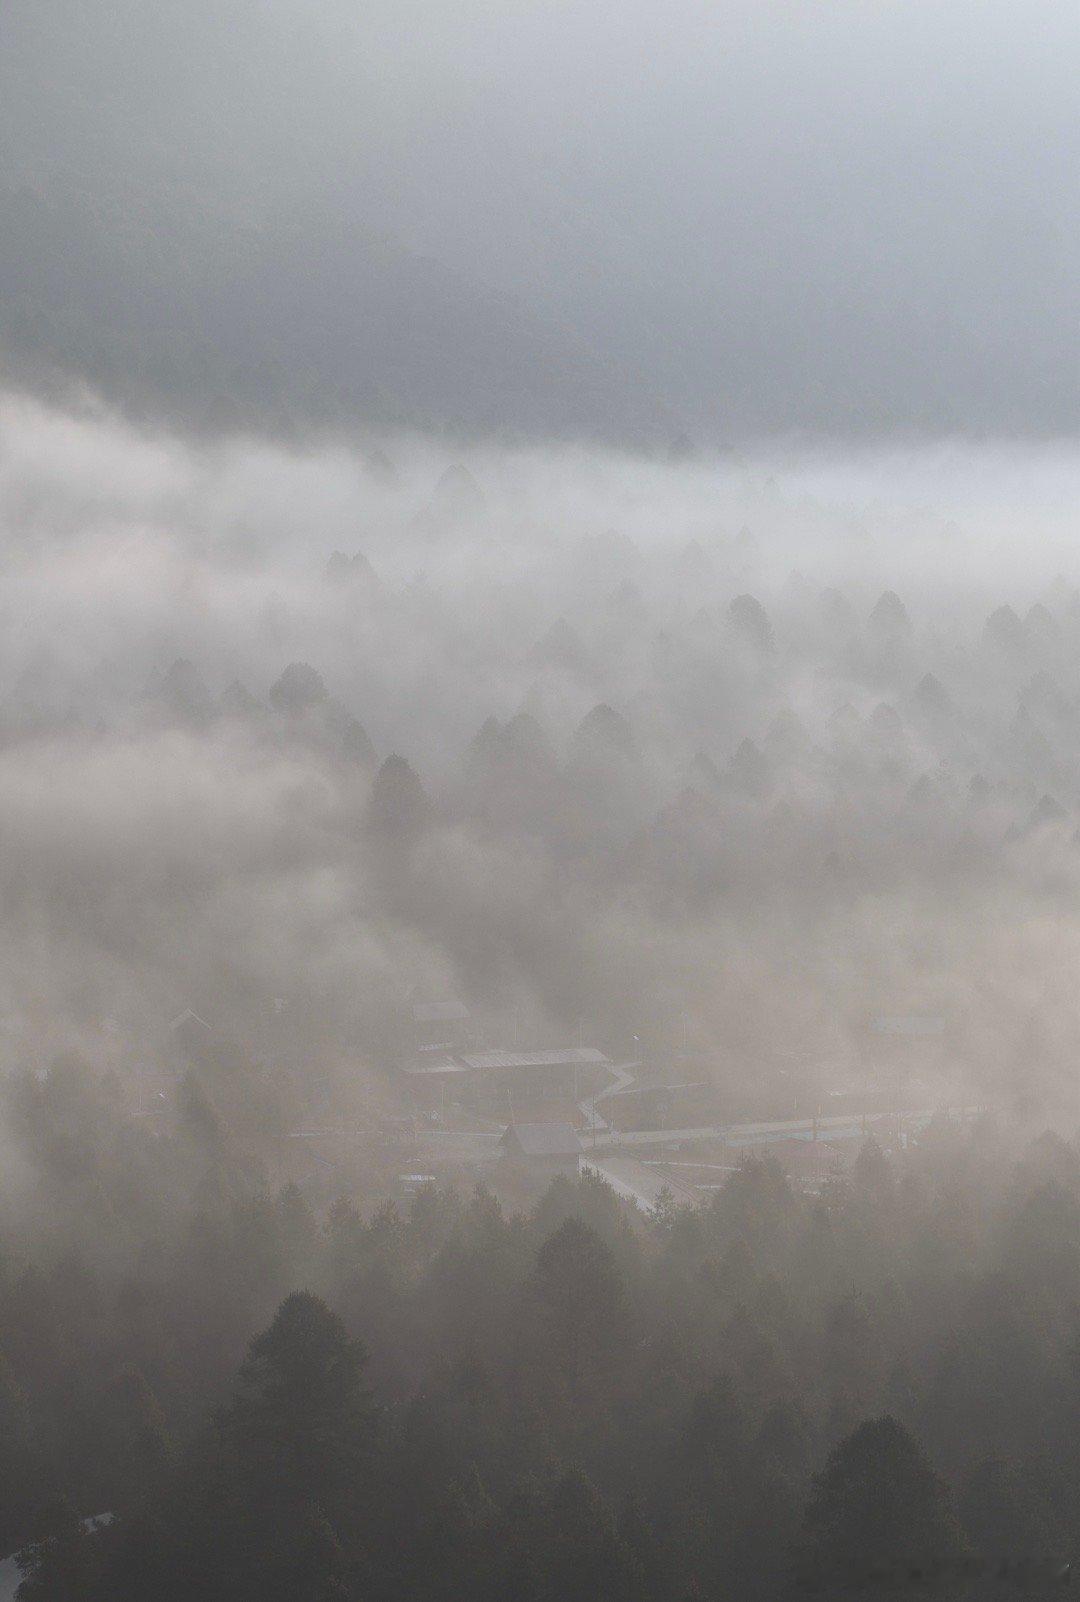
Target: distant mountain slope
x=189, y=220
x=516, y=218
x=180, y=310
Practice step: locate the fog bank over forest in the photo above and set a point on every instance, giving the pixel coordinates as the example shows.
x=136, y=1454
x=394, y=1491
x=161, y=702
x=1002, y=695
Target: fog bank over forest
x=718, y=754
x=539, y=800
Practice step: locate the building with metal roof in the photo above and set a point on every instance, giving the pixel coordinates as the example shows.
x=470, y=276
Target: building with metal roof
x=505, y=1081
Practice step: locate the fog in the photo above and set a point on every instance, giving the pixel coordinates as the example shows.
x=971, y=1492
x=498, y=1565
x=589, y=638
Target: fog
x=539, y=800
x=801, y=808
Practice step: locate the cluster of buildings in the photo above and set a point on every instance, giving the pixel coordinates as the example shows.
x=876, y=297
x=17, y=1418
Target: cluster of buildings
x=527, y=1116
x=531, y=1114
x=502, y=1083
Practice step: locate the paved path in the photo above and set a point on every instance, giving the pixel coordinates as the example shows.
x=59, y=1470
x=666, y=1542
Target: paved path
x=625, y=1074
x=597, y=1136
x=833, y=1126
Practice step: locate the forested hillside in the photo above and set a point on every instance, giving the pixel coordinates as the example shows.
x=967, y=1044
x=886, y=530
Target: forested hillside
x=770, y=1392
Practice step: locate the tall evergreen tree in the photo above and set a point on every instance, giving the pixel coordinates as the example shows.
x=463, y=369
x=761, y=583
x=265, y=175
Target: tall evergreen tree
x=302, y=1421
x=879, y=1514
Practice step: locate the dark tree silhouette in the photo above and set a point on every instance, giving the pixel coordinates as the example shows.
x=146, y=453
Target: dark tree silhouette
x=879, y=1514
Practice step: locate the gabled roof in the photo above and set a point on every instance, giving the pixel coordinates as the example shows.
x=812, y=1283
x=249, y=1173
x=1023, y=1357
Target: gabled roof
x=189, y=1017
x=543, y=1140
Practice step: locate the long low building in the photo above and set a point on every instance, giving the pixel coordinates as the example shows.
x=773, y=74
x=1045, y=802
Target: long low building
x=639, y=1182
x=507, y=1079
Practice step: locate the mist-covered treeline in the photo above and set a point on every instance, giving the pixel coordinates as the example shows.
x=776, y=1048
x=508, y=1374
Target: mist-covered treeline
x=732, y=755
x=768, y=1394
x=711, y=760
x=539, y=801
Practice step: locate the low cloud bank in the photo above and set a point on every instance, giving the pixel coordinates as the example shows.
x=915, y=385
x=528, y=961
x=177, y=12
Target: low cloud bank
x=728, y=755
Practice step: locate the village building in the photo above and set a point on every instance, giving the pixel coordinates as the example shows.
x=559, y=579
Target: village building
x=642, y=1183
x=502, y=1083
x=516, y=1078
x=656, y=1103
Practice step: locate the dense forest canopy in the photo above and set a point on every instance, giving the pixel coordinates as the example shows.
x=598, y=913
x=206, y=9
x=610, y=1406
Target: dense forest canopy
x=737, y=769
x=768, y=1395
x=643, y=746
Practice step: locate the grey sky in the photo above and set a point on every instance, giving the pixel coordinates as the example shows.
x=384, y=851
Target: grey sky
x=844, y=216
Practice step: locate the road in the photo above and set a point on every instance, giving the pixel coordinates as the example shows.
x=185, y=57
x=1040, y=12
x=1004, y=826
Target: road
x=598, y=1137
x=624, y=1073
x=833, y=1126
